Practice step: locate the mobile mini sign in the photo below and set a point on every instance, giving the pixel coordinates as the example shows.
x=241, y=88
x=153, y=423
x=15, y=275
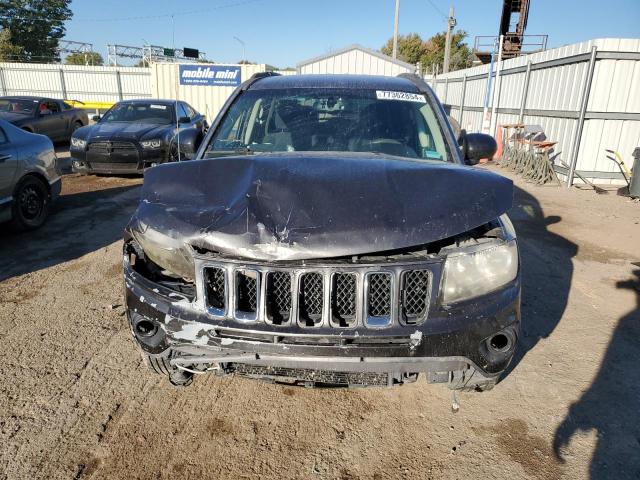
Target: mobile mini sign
x=210, y=75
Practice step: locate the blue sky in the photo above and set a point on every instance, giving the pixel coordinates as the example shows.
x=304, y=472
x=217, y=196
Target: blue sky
x=285, y=32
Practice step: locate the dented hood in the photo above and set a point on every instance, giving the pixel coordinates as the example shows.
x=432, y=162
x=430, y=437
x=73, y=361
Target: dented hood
x=299, y=206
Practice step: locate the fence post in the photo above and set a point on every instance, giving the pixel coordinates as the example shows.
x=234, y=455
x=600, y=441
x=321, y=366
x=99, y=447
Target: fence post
x=464, y=91
x=63, y=86
x=586, y=87
x=446, y=90
x=525, y=92
x=3, y=85
x=119, y=83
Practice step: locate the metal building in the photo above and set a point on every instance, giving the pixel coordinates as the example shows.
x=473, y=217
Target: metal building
x=355, y=59
x=586, y=96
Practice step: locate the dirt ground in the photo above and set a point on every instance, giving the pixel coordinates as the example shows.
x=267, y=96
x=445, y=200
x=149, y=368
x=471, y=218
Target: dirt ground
x=76, y=401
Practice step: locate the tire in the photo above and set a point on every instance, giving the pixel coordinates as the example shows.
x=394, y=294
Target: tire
x=160, y=365
x=31, y=203
x=76, y=125
x=173, y=153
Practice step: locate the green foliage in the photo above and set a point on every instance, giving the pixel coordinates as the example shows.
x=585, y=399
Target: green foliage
x=412, y=49
x=89, y=58
x=8, y=51
x=35, y=27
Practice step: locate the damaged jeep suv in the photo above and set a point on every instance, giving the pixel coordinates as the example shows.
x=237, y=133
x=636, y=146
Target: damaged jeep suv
x=330, y=232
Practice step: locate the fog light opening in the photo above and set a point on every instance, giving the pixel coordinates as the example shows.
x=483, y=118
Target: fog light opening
x=146, y=328
x=500, y=342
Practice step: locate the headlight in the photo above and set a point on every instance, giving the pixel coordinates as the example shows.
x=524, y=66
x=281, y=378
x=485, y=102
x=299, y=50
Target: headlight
x=151, y=143
x=167, y=252
x=78, y=143
x=468, y=275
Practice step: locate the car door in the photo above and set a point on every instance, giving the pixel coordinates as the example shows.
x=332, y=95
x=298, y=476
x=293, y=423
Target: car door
x=8, y=167
x=50, y=121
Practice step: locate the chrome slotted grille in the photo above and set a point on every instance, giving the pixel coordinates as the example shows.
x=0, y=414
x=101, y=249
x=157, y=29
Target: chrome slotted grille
x=331, y=296
x=247, y=291
x=416, y=291
x=343, y=299
x=379, y=295
x=278, y=297
x=311, y=298
x=215, y=287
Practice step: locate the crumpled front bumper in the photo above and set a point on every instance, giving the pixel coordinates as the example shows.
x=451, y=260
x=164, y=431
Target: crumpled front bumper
x=456, y=339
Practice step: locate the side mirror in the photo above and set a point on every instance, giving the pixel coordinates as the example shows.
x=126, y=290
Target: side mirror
x=184, y=120
x=96, y=118
x=475, y=146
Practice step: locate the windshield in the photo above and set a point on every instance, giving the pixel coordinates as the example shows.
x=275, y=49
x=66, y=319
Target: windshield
x=140, y=113
x=15, y=105
x=330, y=120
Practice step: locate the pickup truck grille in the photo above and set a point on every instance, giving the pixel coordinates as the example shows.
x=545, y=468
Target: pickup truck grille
x=339, y=297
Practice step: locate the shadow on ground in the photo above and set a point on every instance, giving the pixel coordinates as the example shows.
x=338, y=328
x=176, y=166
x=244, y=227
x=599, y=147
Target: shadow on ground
x=611, y=405
x=547, y=270
x=79, y=223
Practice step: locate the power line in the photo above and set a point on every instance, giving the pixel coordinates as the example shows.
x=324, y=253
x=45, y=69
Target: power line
x=435, y=7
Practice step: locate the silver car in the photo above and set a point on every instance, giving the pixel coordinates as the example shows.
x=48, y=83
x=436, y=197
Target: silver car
x=29, y=177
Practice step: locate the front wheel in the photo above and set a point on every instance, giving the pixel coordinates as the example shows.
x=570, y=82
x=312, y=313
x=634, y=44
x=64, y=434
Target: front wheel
x=31, y=203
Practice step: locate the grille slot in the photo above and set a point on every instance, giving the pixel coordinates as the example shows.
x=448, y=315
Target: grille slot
x=311, y=298
x=343, y=299
x=379, y=299
x=278, y=293
x=215, y=287
x=416, y=292
x=247, y=291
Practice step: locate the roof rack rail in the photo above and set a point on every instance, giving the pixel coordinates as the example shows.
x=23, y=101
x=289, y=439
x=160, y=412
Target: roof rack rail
x=258, y=76
x=417, y=81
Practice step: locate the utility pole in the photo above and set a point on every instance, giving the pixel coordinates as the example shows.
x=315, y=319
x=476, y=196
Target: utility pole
x=451, y=22
x=244, y=53
x=395, y=31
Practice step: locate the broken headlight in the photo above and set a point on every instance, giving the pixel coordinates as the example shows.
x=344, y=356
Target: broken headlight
x=470, y=274
x=170, y=254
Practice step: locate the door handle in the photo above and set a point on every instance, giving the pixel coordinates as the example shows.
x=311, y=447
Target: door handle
x=4, y=158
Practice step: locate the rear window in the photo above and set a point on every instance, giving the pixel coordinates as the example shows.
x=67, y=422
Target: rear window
x=331, y=120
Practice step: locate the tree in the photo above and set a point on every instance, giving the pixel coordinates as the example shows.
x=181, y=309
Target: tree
x=35, y=26
x=412, y=49
x=8, y=51
x=89, y=58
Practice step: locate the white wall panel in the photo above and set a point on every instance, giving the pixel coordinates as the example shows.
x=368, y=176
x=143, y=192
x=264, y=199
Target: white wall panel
x=85, y=83
x=615, y=89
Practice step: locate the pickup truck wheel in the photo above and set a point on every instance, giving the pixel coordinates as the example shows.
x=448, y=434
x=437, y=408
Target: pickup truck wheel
x=31, y=203
x=160, y=364
x=76, y=125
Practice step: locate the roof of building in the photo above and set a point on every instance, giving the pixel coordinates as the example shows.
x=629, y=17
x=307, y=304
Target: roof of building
x=356, y=46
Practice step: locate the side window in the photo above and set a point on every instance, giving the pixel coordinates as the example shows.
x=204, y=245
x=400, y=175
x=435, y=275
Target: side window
x=181, y=110
x=66, y=106
x=54, y=107
x=3, y=137
x=190, y=111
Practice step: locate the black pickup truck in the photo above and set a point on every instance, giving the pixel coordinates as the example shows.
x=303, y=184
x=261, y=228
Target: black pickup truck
x=46, y=116
x=330, y=232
